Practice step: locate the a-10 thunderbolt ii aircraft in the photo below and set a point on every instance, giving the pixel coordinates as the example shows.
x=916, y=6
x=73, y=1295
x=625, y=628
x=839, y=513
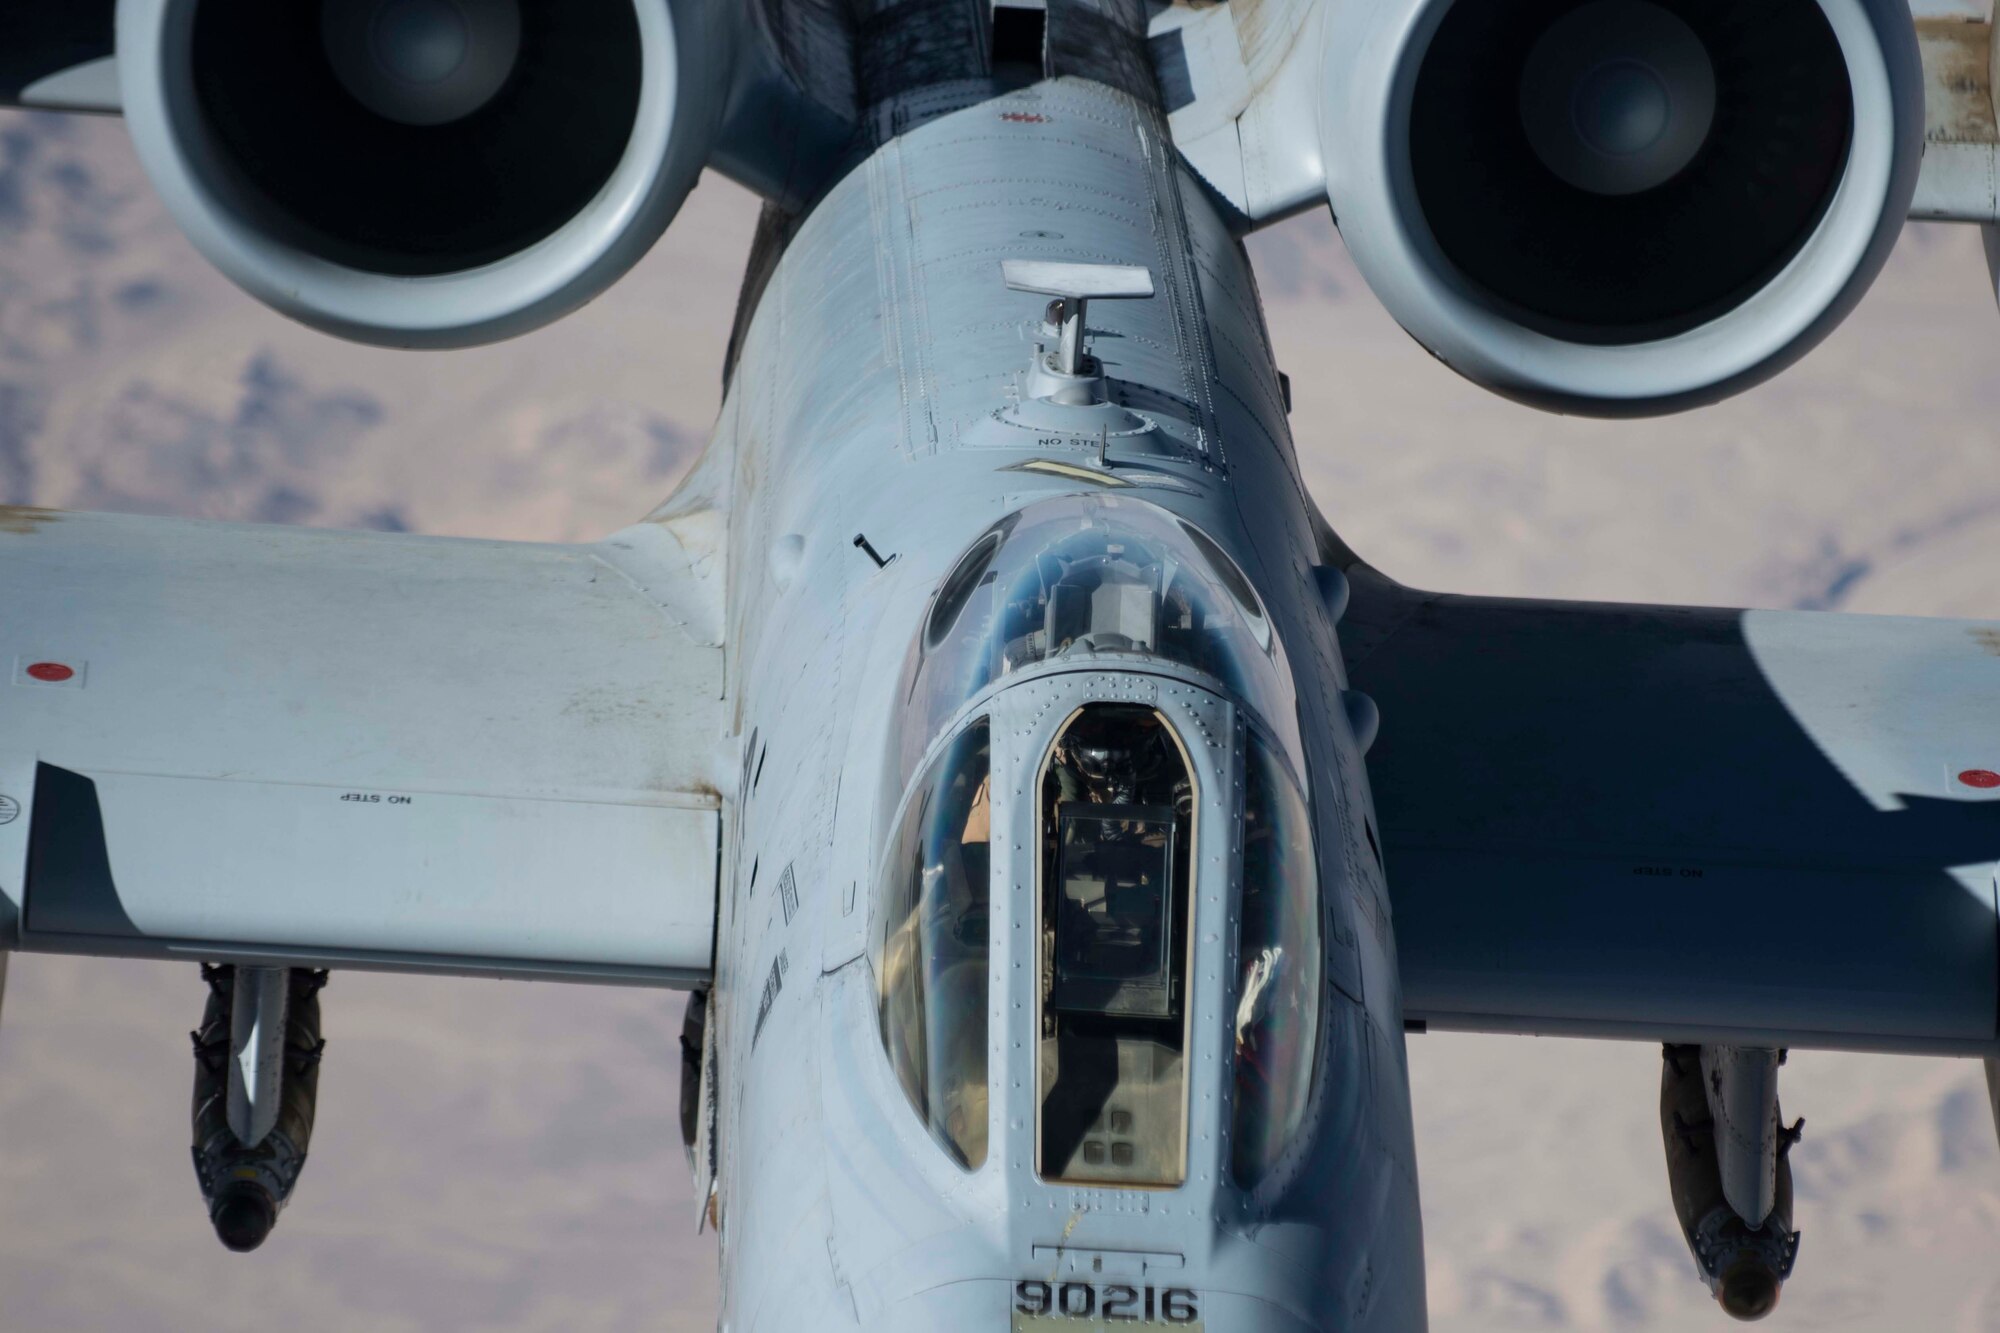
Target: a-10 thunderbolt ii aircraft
x=986, y=733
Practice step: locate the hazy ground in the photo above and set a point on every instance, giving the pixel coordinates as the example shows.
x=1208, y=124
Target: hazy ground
x=506, y=1157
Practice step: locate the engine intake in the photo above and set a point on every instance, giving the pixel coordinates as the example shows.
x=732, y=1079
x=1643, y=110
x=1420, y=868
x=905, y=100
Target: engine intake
x=422, y=172
x=1621, y=207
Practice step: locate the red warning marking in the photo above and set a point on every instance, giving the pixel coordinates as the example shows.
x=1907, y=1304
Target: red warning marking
x=1025, y=118
x=55, y=673
x=1980, y=777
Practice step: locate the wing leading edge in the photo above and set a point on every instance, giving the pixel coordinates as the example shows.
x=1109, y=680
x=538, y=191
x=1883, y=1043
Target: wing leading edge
x=1687, y=825
x=272, y=745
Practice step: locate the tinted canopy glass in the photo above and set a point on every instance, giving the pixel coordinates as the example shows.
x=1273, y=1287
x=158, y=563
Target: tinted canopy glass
x=1116, y=825
x=930, y=944
x=1090, y=575
x=1278, y=987
x=1114, y=916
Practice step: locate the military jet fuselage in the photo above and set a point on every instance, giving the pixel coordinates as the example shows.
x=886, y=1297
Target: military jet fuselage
x=985, y=731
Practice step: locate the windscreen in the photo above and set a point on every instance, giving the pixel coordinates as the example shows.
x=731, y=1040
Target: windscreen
x=1115, y=870
x=1085, y=575
x=934, y=898
x=1278, y=986
x=1116, y=825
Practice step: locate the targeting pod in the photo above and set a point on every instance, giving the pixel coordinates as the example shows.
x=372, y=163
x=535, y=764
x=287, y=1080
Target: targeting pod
x=1729, y=1167
x=256, y=1083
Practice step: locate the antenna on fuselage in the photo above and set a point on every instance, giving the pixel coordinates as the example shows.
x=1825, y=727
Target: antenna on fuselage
x=1066, y=392
x=1074, y=286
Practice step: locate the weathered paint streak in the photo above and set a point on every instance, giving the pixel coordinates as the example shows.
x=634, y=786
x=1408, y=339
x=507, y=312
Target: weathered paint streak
x=1958, y=80
x=22, y=521
x=1266, y=31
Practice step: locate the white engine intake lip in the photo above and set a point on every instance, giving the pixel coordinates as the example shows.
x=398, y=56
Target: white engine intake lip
x=1370, y=64
x=458, y=309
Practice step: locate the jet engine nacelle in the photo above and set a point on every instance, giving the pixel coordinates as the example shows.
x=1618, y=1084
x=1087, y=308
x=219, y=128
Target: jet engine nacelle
x=1620, y=207
x=423, y=173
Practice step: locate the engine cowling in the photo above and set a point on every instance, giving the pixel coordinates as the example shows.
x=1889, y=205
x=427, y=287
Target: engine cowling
x=1620, y=207
x=423, y=173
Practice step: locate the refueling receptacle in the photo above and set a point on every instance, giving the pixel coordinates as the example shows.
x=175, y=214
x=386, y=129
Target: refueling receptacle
x=256, y=1084
x=1729, y=1167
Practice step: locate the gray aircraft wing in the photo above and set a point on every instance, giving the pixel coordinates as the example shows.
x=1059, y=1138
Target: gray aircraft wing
x=59, y=56
x=314, y=748
x=1687, y=825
